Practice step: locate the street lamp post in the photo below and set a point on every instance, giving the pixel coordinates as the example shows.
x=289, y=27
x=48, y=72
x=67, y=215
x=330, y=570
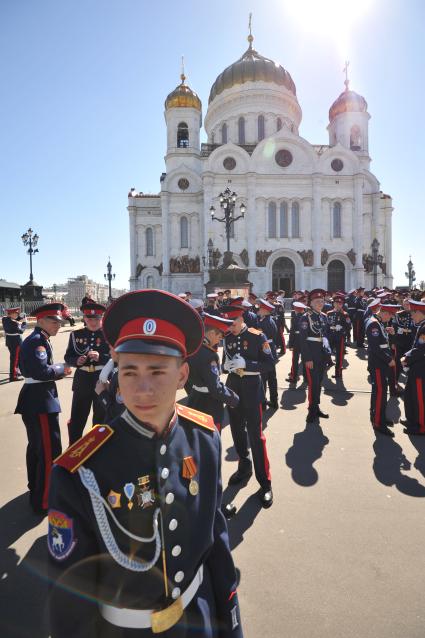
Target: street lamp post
x=227, y=204
x=373, y=261
x=109, y=276
x=410, y=274
x=31, y=240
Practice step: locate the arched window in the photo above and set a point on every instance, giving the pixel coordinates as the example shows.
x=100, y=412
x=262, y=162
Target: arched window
x=355, y=138
x=149, y=242
x=182, y=135
x=278, y=124
x=184, y=233
x=224, y=134
x=272, y=219
x=336, y=220
x=295, y=221
x=284, y=219
x=149, y=281
x=241, y=130
x=261, y=129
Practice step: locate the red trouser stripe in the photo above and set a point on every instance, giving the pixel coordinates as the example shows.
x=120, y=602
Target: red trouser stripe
x=341, y=354
x=310, y=385
x=15, y=362
x=378, y=402
x=292, y=375
x=263, y=441
x=47, y=451
x=421, y=410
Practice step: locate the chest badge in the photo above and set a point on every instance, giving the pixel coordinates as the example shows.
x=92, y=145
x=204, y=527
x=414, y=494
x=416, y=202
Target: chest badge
x=189, y=471
x=245, y=345
x=145, y=495
x=114, y=499
x=129, y=489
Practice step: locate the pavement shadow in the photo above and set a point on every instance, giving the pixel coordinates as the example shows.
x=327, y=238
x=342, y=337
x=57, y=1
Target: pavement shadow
x=307, y=448
x=361, y=353
x=393, y=409
x=340, y=395
x=292, y=397
x=23, y=585
x=418, y=442
x=267, y=414
x=231, y=454
x=243, y=520
x=388, y=464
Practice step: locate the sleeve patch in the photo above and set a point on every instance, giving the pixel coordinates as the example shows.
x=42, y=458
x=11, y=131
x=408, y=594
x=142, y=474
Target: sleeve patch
x=266, y=347
x=214, y=367
x=60, y=537
x=304, y=325
x=41, y=353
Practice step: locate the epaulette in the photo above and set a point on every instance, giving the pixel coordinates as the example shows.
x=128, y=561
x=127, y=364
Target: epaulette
x=254, y=331
x=200, y=418
x=84, y=448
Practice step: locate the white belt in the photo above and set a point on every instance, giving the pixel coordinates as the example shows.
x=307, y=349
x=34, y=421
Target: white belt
x=31, y=380
x=244, y=373
x=314, y=339
x=149, y=618
x=90, y=368
x=384, y=345
x=12, y=334
x=198, y=388
x=297, y=332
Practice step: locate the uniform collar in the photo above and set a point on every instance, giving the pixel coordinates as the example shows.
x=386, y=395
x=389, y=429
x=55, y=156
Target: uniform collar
x=42, y=332
x=144, y=429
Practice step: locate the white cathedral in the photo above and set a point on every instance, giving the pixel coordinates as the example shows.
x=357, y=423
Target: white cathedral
x=312, y=211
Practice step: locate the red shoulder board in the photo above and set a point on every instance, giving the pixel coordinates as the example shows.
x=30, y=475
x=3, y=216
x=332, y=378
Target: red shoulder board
x=200, y=418
x=254, y=331
x=83, y=449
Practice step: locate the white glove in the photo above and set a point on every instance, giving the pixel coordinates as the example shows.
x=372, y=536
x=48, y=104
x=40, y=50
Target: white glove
x=338, y=328
x=400, y=331
x=227, y=365
x=106, y=371
x=238, y=362
x=326, y=345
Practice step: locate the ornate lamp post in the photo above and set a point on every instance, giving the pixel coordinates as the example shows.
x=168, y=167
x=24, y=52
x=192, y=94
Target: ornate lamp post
x=374, y=260
x=109, y=276
x=410, y=274
x=227, y=204
x=31, y=240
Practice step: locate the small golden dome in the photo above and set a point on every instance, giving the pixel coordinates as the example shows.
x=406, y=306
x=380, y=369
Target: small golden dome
x=182, y=97
x=347, y=102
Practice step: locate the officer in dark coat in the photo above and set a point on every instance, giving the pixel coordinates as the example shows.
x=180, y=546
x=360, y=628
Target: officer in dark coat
x=315, y=351
x=414, y=361
x=38, y=402
x=298, y=310
x=137, y=541
x=405, y=331
x=267, y=325
x=380, y=362
x=339, y=328
x=360, y=304
x=88, y=352
x=247, y=354
x=250, y=317
x=208, y=393
x=13, y=329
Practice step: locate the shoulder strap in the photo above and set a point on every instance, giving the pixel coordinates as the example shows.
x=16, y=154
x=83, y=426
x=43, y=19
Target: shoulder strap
x=84, y=448
x=200, y=418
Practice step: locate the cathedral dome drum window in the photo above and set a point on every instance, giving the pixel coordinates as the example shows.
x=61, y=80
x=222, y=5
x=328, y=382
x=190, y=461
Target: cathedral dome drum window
x=183, y=183
x=229, y=163
x=337, y=165
x=283, y=158
x=182, y=135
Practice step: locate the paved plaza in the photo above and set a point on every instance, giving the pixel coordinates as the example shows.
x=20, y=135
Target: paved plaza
x=340, y=553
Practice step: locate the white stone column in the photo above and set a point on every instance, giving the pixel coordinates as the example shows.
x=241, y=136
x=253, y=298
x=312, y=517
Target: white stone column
x=251, y=222
x=388, y=246
x=208, y=182
x=358, y=230
x=165, y=207
x=316, y=231
x=133, y=247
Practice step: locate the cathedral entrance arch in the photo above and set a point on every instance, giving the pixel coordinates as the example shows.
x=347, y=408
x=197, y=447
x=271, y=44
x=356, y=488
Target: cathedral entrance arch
x=336, y=275
x=283, y=275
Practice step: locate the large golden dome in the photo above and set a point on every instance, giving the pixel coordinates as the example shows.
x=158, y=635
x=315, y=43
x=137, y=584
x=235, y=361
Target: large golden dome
x=347, y=102
x=183, y=96
x=252, y=67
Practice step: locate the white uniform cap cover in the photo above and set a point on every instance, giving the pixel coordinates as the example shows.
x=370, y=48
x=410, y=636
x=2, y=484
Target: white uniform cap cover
x=196, y=303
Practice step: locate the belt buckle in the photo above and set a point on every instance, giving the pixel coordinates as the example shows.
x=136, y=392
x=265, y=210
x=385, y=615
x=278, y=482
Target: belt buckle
x=240, y=372
x=164, y=619
x=91, y=367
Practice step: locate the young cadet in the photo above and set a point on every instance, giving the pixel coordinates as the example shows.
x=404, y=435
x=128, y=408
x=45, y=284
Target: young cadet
x=268, y=326
x=339, y=328
x=315, y=350
x=359, y=326
x=38, y=402
x=414, y=360
x=404, y=334
x=88, y=352
x=380, y=362
x=390, y=311
x=298, y=309
x=137, y=540
x=208, y=393
x=13, y=330
x=247, y=355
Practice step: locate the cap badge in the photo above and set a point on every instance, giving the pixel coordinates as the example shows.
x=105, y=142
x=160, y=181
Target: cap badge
x=149, y=327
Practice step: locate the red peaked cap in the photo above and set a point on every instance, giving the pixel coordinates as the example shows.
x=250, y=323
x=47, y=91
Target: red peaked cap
x=391, y=308
x=417, y=305
x=51, y=310
x=92, y=309
x=317, y=293
x=231, y=312
x=10, y=310
x=217, y=322
x=153, y=322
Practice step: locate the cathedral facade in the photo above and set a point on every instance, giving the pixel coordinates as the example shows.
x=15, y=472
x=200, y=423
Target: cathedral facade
x=312, y=211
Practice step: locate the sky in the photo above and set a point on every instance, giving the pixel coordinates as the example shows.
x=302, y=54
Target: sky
x=82, y=109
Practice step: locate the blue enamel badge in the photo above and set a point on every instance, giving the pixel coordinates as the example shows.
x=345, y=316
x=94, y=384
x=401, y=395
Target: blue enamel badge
x=60, y=537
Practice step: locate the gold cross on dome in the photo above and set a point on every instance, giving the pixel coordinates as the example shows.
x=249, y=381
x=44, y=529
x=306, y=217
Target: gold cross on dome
x=345, y=70
x=182, y=75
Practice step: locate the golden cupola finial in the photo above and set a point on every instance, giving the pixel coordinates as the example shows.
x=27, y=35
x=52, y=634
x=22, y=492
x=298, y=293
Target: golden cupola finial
x=250, y=37
x=183, y=96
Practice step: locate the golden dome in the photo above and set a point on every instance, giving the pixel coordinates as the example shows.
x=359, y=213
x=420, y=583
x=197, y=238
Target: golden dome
x=183, y=96
x=347, y=102
x=252, y=67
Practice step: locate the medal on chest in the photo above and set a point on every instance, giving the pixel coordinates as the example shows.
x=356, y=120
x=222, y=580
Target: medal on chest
x=189, y=471
x=145, y=494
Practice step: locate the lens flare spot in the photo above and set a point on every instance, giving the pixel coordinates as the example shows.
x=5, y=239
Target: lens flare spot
x=269, y=149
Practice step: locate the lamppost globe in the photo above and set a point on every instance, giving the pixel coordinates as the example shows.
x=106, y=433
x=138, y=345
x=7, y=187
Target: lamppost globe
x=227, y=203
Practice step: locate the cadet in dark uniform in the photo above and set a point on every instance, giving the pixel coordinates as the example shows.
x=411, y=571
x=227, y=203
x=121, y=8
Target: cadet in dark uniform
x=268, y=326
x=298, y=309
x=249, y=316
x=208, y=393
x=13, y=329
x=107, y=390
x=247, y=354
x=391, y=309
x=339, y=328
x=358, y=326
x=38, y=402
x=405, y=331
x=137, y=541
x=350, y=303
x=88, y=352
x=414, y=360
x=315, y=350
x=380, y=361
x=211, y=307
